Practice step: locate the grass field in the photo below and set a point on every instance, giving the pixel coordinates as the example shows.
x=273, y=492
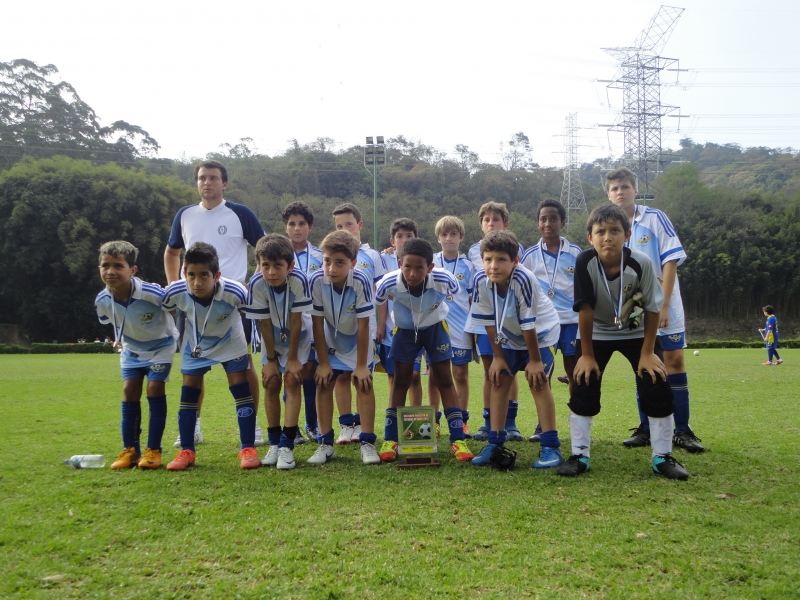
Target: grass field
x=344, y=530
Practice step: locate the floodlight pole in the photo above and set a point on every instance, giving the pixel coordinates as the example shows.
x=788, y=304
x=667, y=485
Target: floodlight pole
x=374, y=160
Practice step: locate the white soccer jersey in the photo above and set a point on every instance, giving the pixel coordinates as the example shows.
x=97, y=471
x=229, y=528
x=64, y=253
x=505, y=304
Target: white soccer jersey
x=212, y=324
x=418, y=312
x=474, y=255
x=309, y=261
x=555, y=273
x=277, y=304
x=463, y=270
x=524, y=307
x=653, y=233
x=147, y=333
x=228, y=227
x=341, y=310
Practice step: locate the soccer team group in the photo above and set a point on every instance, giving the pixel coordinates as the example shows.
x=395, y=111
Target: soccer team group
x=326, y=316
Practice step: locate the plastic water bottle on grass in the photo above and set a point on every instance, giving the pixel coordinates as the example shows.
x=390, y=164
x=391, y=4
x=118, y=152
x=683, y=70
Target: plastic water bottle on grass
x=86, y=461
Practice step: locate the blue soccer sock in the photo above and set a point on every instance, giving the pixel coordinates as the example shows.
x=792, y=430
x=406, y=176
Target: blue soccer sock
x=367, y=438
x=439, y=416
x=187, y=415
x=274, y=435
x=486, y=419
x=245, y=413
x=287, y=437
x=348, y=420
x=310, y=399
x=498, y=438
x=680, y=392
x=131, y=424
x=550, y=439
x=390, y=425
x=511, y=415
x=158, y=421
x=465, y=416
x=356, y=419
x=455, y=423
x=326, y=438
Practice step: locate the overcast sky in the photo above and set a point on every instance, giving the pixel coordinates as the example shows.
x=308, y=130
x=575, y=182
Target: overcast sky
x=196, y=75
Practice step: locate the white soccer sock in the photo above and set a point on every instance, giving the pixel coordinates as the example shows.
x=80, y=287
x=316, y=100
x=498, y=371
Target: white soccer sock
x=661, y=435
x=580, y=433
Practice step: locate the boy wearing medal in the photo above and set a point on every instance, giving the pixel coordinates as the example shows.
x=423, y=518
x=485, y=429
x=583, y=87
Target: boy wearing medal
x=214, y=335
x=609, y=278
x=523, y=327
x=342, y=304
x=419, y=293
x=279, y=298
x=299, y=221
x=653, y=234
x=552, y=261
x=144, y=336
x=347, y=217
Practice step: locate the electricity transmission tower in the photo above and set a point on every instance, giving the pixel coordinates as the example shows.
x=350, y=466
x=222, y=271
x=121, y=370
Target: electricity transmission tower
x=572, y=191
x=639, y=78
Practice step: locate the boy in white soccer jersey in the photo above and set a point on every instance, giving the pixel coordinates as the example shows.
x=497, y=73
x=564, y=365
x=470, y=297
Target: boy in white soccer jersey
x=279, y=298
x=653, y=233
x=347, y=217
x=552, y=261
x=342, y=304
x=144, y=335
x=523, y=326
x=214, y=335
x=493, y=216
x=419, y=292
x=400, y=230
x=298, y=219
x=450, y=232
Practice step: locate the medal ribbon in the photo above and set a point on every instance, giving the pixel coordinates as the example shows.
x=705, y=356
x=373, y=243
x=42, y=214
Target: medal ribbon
x=285, y=306
x=416, y=316
x=118, y=330
x=498, y=322
x=618, y=305
x=337, y=318
x=555, y=267
x=198, y=334
x=308, y=258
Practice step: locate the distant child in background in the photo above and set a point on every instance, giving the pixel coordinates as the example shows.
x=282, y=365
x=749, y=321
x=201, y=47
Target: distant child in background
x=298, y=220
x=493, y=216
x=342, y=305
x=552, y=261
x=346, y=216
x=399, y=231
x=771, y=337
x=279, y=298
x=450, y=232
x=419, y=292
x=213, y=336
x=145, y=338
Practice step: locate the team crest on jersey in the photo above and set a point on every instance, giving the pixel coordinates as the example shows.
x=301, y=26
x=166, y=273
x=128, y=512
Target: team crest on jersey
x=158, y=368
x=434, y=307
x=313, y=267
x=460, y=353
x=442, y=348
x=627, y=288
x=222, y=230
x=643, y=240
x=352, y=307
x=223, y=317
x=460, y=276
x=363, y=265
x=675, y=337
x=147, y=317
x=570, y=270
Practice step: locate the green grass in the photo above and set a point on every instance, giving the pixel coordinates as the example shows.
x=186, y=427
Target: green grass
x=344, y=530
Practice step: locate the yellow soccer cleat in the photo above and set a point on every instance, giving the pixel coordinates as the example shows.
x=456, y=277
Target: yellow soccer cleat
x=388, y=451
x=126, y=459
x=151, y=459
x=460, y=450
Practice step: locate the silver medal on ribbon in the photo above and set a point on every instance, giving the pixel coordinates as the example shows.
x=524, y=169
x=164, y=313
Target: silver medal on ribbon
x=118, y=347
x=197, y=352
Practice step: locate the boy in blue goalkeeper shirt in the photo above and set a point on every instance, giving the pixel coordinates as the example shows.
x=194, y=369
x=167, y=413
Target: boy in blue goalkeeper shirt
x=420, y=292
x=770, y=335
x=342, y=305
x=214, y=335
x=144, y=335
x=279, y=298
x=523, y=327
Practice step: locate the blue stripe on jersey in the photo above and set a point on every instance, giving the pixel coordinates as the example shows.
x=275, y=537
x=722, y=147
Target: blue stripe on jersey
x=366, y=284
x=298, y=274
x=665, y=222
x=669, y=252
x=525, y=283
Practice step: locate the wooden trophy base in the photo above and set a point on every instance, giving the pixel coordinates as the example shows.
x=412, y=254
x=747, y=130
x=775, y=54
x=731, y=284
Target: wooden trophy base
x=418, y=462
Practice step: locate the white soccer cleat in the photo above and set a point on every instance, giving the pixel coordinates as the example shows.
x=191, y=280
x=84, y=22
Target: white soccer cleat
x=346, y=435
x=286, y=459
x=259, y=437
x=271, y=457
x=323, y=454
x=356, y=434
x=369, y=454
x=198, y=435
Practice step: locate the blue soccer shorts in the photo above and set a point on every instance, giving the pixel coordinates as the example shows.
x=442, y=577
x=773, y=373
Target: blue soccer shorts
x=517, y=360
x=566, y=341
x=435, y=339
x=231, y=366
x=673, y=341
x=153, y=372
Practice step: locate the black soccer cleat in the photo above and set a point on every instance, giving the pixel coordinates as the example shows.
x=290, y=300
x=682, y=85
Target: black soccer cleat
x=688, y=441
x=669, y=467
x=639, y=438
x=577, y=464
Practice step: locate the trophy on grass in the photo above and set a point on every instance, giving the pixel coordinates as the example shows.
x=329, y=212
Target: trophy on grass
x=417, y=437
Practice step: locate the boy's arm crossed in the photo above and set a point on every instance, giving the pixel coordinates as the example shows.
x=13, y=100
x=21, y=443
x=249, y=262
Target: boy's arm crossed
x=586, y=364
x=362, y=377
x=648, y=361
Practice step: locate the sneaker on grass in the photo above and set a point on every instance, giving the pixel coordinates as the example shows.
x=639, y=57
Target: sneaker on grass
x=271, y=457
x=388, y=451
x=537, y=434
x=669, y=467
x=183, y=460
x=482, y=435
x=576, y=464
x=369, y=454
x=285, y=459
x=688, y=441
x=356, y=435
x=299, y=439
x=548, y=458
x=638, y=439
x=484, y=458
x=249, y=458
x=514, y=435
x=151, y=459
x=259, y=437
x=127, y=459
x=322, y=454
x=345, y=435
x=461, y=451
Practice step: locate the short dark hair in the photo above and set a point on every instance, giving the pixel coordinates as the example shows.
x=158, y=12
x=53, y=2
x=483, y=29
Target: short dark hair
x=402, y=223
x=417, y=247
x=121, y=248
x=201, y=253
x=212, y=164
x=501, y=240
x=275, y=246
x=562, y=212
x=298, y=208
x=769, y=310
x=348, y=207
x=621, y=174
x=341, y=241
x=607, y=213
